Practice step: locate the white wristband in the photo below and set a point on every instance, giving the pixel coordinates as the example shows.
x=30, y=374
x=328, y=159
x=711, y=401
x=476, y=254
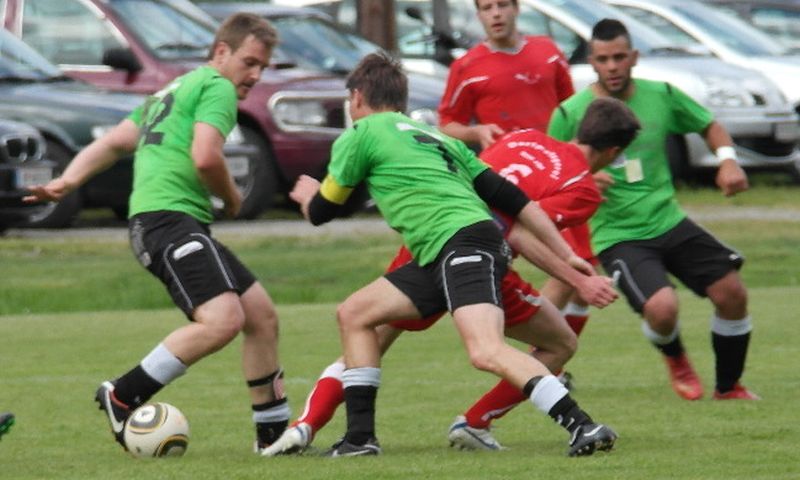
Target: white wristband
x=725, y=153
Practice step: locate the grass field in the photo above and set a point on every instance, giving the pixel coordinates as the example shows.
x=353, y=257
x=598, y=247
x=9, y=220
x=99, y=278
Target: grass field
x=76, y=312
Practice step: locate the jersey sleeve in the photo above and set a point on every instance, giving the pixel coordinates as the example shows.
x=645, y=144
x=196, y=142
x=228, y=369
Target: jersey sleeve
x=472, y=164
x=349, y=163
x=687, y=115
x=136, y=115
x=572, y=206
x=457, y=104
x=217, y=105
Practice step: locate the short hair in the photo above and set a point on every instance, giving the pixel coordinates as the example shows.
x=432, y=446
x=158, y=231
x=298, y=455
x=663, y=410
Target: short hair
x=608, y=122
x=512, y=1
x=381, y=80
x=238, y=26
x=608, y=29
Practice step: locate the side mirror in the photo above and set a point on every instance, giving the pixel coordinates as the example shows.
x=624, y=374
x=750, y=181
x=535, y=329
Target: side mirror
x=121, y=59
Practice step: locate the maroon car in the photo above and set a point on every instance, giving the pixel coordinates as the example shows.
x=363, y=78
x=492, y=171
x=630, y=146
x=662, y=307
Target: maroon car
x=291, y=116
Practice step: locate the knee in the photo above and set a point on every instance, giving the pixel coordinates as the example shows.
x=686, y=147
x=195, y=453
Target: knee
x=730, y=301
x=484, y=356
x=348, y=316
x=661, y=313
x=567, y=347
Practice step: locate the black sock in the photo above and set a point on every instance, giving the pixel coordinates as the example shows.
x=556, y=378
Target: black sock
x=360, y=403
x=671, y=349
x=268, y=432
x=731, y=353
x=567, y=414
x=136, y=387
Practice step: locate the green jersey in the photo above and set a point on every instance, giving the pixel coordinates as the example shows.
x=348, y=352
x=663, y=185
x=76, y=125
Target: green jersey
x=641, y=203
x=420, y=179
x=164, y=174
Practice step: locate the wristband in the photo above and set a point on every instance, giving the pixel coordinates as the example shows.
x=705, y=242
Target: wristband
x=726, y=152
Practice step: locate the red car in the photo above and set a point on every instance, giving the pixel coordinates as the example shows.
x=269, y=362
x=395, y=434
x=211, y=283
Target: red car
x=292, y=115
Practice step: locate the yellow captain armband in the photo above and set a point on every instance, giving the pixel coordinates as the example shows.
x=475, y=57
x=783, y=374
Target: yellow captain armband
x=333, y=192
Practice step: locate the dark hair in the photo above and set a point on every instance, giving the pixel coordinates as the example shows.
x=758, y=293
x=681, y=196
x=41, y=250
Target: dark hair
x=238, y=26
x=608, y=122
x=381, y=80
x=608, y=29
x=512, y=1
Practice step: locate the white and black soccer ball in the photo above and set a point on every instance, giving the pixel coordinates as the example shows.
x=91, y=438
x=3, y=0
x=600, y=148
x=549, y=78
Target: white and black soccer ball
x=157, y=430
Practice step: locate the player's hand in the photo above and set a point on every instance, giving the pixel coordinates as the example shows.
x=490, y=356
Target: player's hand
x=603, y=180
x=731, y=179
x=597, y=290
x=234, y=204
x=304, y=190
x=54, y=191
x=487, y=133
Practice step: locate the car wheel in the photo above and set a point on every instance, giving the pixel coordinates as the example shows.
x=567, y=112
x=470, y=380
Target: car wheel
x=262, y=182
x=57, y=214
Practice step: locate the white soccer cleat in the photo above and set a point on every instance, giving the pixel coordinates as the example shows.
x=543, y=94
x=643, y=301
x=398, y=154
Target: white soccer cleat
x=294, y=440
x=464, y=437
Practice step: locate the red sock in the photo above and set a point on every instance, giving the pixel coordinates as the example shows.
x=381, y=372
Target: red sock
x=494, y=404
x=576, y=316
x=322, y=402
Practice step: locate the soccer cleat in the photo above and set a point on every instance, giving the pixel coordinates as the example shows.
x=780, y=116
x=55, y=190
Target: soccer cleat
x=116, y=411
x=6, y=420
x=738, y=392
x=343, y=448
x=464, y=437
x=684, y=379
x=294, y=440
x=589, y=438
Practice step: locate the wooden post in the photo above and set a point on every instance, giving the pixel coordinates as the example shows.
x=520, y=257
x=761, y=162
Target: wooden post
x=375, y=21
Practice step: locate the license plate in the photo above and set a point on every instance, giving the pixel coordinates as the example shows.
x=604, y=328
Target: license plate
x=27, y=177
x=238, y=166
x=787, y=132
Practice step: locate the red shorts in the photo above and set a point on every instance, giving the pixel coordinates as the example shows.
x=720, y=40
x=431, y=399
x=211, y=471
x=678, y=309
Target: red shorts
x=578, y=237
x=520, y=300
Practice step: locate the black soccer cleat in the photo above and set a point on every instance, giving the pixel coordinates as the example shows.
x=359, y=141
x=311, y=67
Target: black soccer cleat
x=6, y=420
x=590, y=437
x=116, y=411
x=343, y=448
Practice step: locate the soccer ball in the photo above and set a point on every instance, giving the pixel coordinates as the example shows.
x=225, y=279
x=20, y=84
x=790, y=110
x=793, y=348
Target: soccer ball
x=157, y=430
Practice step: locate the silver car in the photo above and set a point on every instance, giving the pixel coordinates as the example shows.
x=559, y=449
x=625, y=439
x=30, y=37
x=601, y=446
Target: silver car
x=761, y=121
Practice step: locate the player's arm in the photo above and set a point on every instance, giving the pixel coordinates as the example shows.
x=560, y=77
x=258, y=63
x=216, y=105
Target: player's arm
x=482, y=134
x=91, y=160
x=731, y=179
x=595, y=289
x=319, y=202
x=210, y=164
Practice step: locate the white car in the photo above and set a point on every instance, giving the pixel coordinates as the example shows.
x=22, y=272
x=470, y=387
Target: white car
x=696, y=26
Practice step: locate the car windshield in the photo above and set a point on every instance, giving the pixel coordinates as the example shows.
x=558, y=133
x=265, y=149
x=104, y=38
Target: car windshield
x=169, y=31
x=20, y=62
x=733, y=32
x=313, y=42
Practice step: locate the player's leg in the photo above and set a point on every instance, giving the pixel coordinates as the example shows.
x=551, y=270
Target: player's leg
x=710, y=268
x=644, y=282
x=6, y=420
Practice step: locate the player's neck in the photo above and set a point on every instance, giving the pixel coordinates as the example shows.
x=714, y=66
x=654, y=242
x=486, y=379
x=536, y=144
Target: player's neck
x=510, y=44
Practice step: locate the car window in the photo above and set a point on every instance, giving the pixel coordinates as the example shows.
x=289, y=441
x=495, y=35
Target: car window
x=783, y=25
x=67, y=32
x=661, y=25
x=18, y=60
x=168, y=32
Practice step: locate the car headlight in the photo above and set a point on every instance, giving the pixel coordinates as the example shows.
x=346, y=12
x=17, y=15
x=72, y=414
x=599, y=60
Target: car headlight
x=236, y=137
x=425, y=115
x=300, y=113
x=727, y=93
x=309, y=111
x=100, y=130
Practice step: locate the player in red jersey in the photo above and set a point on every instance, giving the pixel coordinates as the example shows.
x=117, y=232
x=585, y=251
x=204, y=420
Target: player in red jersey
x=508, y=82
x=558, y=176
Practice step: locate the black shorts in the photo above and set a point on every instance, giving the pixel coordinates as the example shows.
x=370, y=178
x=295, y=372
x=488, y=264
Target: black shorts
x=179, y=250
x=467, y=271
x=687, y=251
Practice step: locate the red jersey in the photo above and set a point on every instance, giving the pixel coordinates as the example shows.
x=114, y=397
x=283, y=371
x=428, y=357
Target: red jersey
x=513, y=90
x=553, y=173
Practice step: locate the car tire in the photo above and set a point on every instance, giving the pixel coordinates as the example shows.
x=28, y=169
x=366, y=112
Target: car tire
x=57, y=214
x=262, y=184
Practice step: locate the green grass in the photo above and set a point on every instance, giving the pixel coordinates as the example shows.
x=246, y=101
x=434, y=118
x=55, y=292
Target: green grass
x=51, y=365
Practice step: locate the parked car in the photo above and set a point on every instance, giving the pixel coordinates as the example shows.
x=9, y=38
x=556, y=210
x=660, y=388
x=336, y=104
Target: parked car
x=22, y=163
x=291, y=116
x=311, y=39
x=780, y=19
x=697, y=26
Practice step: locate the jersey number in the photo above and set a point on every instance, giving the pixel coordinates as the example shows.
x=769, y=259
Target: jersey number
x=155, y=138
x=448, y=158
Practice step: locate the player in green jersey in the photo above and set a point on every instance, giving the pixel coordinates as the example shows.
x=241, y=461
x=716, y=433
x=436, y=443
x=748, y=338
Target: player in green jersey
x=640, y=231
x=429, y=187
x=178, y=136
